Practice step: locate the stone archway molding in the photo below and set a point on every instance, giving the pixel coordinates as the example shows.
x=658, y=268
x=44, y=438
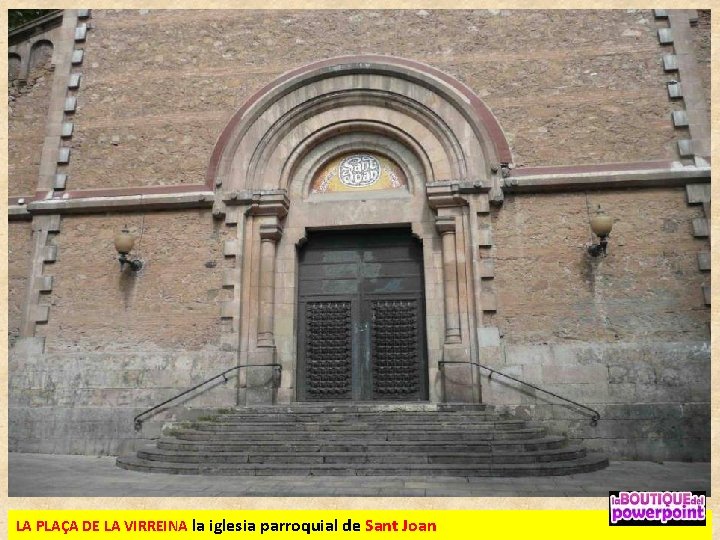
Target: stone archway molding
x=452, y=150
x=451, y=111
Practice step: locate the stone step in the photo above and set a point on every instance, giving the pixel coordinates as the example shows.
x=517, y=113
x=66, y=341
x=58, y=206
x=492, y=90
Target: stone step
x=351, y=458
x=258, y=426
x=360, y=407
x=590, y=462
x=416, y=416
x=368, y=435
x=360, y=445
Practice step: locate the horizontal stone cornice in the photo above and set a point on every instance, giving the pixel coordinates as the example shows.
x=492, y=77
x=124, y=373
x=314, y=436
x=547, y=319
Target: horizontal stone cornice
x=558, y=179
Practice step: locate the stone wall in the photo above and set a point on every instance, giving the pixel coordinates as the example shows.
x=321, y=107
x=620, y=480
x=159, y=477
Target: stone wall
x=653, y=398
x=84, y=402
x=27, y=117
x=648, y=288
x=173, y=303
x=20, y=247
x=159, y=86
x=701, y=37
x=118, y=343
x=627, y=335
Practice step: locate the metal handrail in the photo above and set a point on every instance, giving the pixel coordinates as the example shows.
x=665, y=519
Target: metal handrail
x=138, y=422
x=593, y=420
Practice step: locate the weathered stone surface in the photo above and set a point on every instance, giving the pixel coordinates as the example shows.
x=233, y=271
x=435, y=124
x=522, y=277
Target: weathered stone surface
x=27, y=113
x=643, y=290
x=20, y=253
x=656, y=392
x=173, y=302
x=84, y=403
x=547, y=87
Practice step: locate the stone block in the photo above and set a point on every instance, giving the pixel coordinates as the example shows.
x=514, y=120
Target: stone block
x=704, y=261
x=670, y=62
x=40, y=313
x=28, y=347
x=706, y=294
x=60, y=181
x=486, y=268
x=685, y=148
x=488, y=301
x=665, y=36
x=83, y=13
x=70, y=104
x=458, y=380
x=77, y=56
x=67, y=129
x=81, y=32
x=675, y=90
x=49, y=254
x=488, y=336
x=231, y=248
x=74, y=82
x=231, y=278
x=698, y=193
x=680, y=119
x=485, y=236
x=660, y=13
x=701, y=228
x=52, y=223
x=44, y=283
x=63, y=155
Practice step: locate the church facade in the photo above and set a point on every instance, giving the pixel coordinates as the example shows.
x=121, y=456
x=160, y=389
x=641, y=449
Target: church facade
x=362, y=206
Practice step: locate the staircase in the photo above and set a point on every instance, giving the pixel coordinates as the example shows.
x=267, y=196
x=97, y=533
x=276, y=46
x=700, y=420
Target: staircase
x=363, y=439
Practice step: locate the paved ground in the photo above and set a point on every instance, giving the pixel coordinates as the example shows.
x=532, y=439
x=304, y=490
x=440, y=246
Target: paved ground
x=82, y=476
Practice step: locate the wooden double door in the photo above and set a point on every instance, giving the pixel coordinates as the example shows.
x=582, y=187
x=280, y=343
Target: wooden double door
x=361, y=324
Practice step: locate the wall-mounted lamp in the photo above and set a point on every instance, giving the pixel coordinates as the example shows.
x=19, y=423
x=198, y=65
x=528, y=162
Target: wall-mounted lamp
x=124, y=242
x=601, y=224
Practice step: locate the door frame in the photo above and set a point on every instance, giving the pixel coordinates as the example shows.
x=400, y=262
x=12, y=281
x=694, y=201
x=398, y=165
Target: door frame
x=361, y=387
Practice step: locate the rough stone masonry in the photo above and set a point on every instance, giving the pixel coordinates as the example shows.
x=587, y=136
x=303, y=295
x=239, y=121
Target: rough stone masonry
x=116, y=117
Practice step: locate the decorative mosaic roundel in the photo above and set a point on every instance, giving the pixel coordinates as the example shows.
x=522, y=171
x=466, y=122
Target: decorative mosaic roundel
x=358, y=172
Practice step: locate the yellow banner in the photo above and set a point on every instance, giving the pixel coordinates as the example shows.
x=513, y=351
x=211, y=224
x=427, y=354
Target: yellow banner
x=331, y=524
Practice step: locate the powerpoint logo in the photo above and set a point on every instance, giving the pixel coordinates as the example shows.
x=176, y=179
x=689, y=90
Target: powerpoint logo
x=657, y=508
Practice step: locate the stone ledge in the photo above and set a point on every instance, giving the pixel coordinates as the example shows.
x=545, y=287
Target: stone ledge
x=201, y=199
x=668, y=177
